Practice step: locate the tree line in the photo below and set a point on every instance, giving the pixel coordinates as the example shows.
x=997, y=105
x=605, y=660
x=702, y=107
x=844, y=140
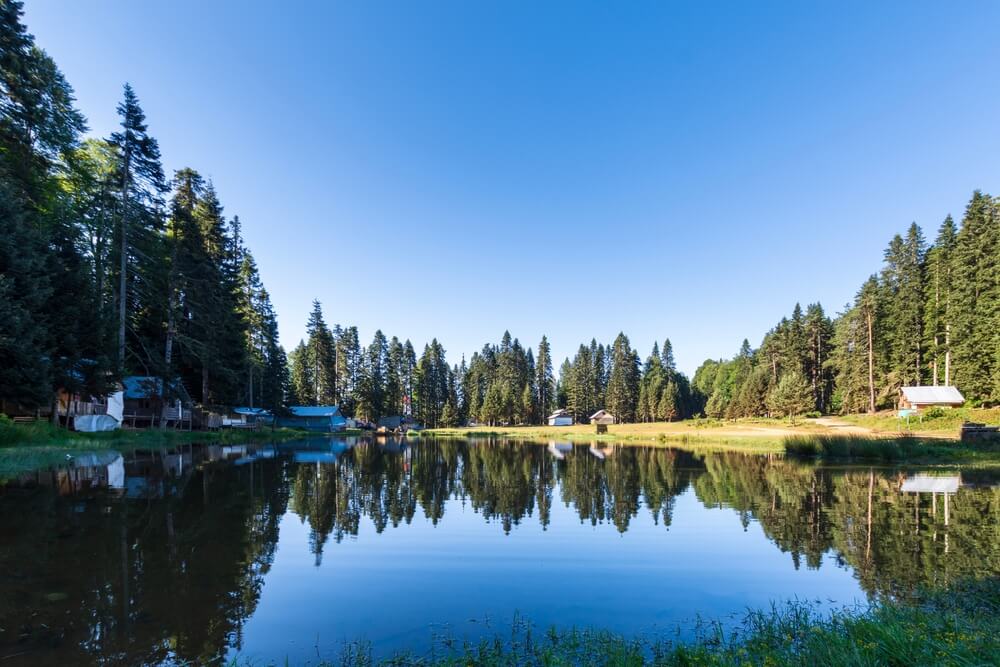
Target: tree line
x=107, y=268
x=930, y=316
x=503, y=383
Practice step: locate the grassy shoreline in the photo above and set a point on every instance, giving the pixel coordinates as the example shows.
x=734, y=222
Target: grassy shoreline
x=26, y=447
x=957, y=626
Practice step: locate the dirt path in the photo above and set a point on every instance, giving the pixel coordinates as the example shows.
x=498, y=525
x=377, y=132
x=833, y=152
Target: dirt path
x=839, y=426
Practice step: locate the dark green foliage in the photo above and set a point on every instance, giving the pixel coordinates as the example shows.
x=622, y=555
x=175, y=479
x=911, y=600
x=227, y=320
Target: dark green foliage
x=95, y=280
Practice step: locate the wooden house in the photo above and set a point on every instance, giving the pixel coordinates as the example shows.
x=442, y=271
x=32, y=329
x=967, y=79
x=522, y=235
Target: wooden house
x=561, y=418
x=320, y=418
x=150, y=401
x=918, y=398
x=602, y=417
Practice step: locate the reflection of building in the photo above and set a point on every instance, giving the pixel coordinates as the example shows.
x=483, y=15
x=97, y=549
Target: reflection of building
x=560, y=449
x=946, y=485
x=84, y=472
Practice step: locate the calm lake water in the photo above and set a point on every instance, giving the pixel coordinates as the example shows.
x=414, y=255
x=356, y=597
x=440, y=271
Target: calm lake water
x=205, y=553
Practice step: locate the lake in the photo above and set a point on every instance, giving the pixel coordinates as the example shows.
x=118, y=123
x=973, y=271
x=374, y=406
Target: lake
x=265, y=552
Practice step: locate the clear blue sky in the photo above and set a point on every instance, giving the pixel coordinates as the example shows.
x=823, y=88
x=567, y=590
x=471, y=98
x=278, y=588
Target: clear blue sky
x=574, y=169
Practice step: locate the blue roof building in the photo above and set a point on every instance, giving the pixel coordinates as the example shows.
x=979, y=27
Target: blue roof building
x=324, y=418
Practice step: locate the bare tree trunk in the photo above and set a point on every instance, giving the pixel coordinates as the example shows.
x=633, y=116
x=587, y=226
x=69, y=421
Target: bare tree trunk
x=204, y=384
x=871, y=365
x=947, y=354
x=123, y=278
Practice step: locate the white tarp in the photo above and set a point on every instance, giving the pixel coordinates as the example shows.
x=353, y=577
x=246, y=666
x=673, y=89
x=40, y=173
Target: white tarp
x=95, y=423
x=107, y=422
x=116, y=405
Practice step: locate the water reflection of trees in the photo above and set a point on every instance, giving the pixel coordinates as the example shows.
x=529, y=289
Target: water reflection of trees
x=113, y=579
x=173, y=576
x=894, y=541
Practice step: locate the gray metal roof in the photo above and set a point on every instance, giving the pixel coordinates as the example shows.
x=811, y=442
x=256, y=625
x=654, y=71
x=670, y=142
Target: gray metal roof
x=931, y=395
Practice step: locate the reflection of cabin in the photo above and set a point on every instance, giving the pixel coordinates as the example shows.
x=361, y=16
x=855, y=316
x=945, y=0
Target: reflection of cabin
x=918, y=398
x=559, y=450
x=946, y=485
x=602, y=417
x=324, y=418
x=561, y=418
x=148, y=402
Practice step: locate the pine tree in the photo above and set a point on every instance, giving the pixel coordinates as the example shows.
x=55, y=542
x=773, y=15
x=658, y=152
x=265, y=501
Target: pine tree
x=141, y=185
x=791, y=396
x=544, y=381
x=321, y=358
x=977, y=300
x=623, y=382
x=938, y=308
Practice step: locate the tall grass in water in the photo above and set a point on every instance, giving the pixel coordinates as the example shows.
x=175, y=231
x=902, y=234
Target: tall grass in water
x=862, y=447
x=960, y=626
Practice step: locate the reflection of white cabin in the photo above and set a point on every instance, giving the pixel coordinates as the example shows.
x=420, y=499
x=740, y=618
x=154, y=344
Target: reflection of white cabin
x=922, y=483
x=560, y=449
x=561, y=418
x=601, y=452
x=946, y=485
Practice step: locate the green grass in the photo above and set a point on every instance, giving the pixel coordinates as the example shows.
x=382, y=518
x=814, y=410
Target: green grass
x=908, y=449
x=943, y=421
x=960, y=626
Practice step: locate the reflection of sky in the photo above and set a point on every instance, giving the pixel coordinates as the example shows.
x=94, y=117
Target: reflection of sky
x=396, y=588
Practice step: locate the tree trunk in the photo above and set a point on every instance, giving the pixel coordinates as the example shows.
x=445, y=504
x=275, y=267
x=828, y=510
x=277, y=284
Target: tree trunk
x=871, y=365
x=947, y=354
x=204, y=384
x=123, y=278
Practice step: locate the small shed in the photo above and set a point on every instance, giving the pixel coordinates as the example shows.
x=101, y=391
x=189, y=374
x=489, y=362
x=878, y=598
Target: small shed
x=561, y=418
x=602, y=417
x=917, y=398
x=247, y=418
x=397, y=423
x=323, y=418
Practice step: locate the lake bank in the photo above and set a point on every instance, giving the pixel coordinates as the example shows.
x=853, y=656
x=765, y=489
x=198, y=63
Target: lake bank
x=828, y=438
x=26, y=447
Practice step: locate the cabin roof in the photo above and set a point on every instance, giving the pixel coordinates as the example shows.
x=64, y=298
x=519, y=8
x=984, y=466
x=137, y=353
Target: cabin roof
x=933, y=395
x=251, y=411
x=315, y=410
x=560, y=413
x=148, y=386
x=601, y=413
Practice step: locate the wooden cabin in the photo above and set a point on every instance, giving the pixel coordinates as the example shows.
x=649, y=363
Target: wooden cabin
x=602, y=417
x=320, y=418
x=561, y=418
x=918, y=398
x=148, y=401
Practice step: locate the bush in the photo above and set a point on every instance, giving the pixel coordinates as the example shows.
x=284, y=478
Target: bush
x=814, y=414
